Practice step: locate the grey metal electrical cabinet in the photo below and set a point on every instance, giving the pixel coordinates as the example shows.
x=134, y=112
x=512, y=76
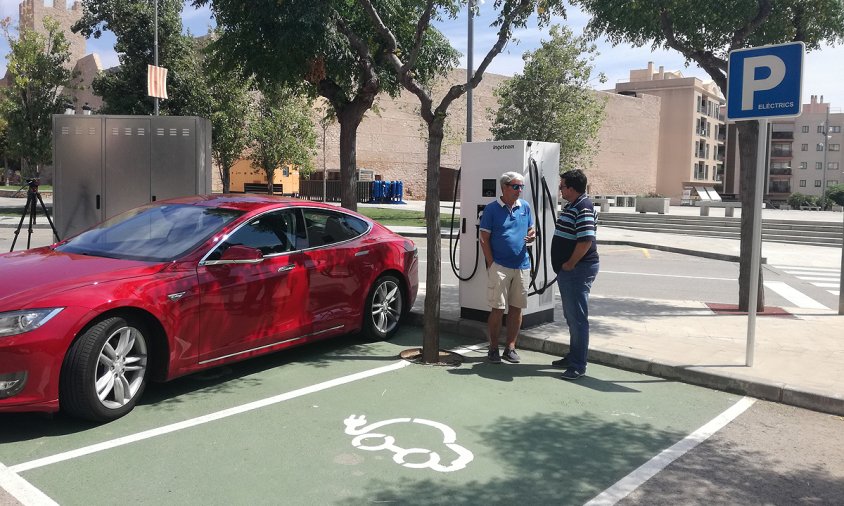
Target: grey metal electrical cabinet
x=104, y=165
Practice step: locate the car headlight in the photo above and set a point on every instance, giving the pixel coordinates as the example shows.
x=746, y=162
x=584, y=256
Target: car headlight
x=18, y=322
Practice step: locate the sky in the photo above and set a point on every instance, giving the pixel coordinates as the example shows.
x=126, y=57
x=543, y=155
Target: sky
x=822, y=73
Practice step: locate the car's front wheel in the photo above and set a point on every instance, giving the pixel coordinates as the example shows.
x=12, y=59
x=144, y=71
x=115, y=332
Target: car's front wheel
x=384, y=308
x=105, y=370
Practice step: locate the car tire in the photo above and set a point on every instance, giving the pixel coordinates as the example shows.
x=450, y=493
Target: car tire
x=384, y=309
x=105, y=371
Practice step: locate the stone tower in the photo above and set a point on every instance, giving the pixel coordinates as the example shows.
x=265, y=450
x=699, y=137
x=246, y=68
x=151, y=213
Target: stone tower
x=33, y=12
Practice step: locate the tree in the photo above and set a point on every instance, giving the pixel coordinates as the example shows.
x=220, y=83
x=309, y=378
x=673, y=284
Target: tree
x=705, y=31
x=281, y=132
x=124, y=89
x=405, y=59
x=835, y=193
x=37, y=71
x=551, y=101
x=329, y=49
x=228, y=106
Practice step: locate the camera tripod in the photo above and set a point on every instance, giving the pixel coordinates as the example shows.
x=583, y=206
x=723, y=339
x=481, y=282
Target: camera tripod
x=32, y=195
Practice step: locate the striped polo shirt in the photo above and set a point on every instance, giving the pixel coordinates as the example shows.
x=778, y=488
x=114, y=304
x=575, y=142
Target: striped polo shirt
x=577, y=222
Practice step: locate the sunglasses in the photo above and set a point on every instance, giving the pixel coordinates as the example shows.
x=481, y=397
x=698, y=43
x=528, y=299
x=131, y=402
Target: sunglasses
x=517, y=186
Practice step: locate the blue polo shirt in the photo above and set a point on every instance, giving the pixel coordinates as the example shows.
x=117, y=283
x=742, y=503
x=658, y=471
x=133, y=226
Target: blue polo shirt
x=507, y=230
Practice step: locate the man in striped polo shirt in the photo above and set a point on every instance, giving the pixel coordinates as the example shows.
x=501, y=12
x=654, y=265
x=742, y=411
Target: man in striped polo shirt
x=574, y=257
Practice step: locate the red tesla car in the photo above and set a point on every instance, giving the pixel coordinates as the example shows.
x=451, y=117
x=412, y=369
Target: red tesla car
x=178, y=286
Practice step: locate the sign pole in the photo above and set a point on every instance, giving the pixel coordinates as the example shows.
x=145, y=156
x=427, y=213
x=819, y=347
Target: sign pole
x=756, y=243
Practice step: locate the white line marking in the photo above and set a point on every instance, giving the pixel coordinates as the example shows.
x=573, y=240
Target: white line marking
x=193, y=422
x=22, y=490
x=808, y=269
x=796, y=297
x=835, y=292
x=669, y=275
x=826, y=285
x=816, y=278
x=651, y=468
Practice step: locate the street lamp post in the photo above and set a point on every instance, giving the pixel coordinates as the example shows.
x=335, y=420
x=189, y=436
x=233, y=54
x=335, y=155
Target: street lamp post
x=469, y=64
x=825, y=134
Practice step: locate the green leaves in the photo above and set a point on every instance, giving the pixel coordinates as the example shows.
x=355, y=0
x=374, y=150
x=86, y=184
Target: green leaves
x=37, y=74
x=282, y=132
x=552, y=101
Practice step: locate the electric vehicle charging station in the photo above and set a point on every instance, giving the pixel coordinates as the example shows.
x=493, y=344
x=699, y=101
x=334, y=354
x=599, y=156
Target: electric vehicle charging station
x=482, y=164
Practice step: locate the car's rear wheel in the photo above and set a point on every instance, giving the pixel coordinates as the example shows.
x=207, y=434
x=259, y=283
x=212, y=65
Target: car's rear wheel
x=105, y=370
x=384, y=308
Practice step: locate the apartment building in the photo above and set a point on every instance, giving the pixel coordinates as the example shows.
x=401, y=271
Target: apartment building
x=692, y=130
x=804, y=153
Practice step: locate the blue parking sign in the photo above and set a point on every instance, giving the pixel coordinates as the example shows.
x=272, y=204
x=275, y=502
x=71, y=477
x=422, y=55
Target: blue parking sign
x=765, y=82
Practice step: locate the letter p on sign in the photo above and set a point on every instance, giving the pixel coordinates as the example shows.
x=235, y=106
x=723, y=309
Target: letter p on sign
x=765, y=82
x=752, y=66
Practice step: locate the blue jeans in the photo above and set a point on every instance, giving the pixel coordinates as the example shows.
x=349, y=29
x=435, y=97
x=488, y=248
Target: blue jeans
x=574, y=288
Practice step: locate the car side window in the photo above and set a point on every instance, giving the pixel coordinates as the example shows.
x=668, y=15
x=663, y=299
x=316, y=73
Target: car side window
x=271, y=233
x=327, y=227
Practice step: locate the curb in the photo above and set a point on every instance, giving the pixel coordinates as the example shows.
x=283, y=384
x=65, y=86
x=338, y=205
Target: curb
x=693, y=375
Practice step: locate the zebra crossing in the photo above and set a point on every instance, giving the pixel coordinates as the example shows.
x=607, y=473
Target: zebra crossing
x=828, y=278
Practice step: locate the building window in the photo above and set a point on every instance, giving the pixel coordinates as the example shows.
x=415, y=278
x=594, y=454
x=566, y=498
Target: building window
x=805, y=129
x=832, y=166
x=831, y=182
x=817, y=183
x=804, y=147
x=781, y=149
x=819, y=146
x=835, y=129
x=820, y=129
x=804, y=165
x=835, y=147
x=819, y=165
x=802, y=183
x=700, y=171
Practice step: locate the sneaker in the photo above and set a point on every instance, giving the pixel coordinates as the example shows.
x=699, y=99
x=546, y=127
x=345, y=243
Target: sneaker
x=510, y=355
x=493, y=356
x=562, y=363
x=572, y=374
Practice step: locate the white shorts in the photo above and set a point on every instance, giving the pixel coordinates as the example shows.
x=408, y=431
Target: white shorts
x=507, y=287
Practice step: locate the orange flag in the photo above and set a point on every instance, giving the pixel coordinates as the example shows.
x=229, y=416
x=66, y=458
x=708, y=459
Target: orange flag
x=156, y=81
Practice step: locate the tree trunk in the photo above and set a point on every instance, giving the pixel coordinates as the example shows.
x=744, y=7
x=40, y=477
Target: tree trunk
x=348, y=160
x=225, y=177
x=748, y=135
x=431, y=339
x=270, y=178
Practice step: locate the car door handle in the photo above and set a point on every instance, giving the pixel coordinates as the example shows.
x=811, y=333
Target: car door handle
x=286, y=268
x=362, y=253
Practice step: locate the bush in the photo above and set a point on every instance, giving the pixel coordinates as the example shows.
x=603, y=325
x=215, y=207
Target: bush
x=836, y=194
x=795, y=200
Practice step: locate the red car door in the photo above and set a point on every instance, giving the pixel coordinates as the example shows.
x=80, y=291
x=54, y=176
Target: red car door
x=249, y=308
x=341, y=265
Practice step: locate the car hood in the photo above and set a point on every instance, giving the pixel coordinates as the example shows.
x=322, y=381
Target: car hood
x=33, y=274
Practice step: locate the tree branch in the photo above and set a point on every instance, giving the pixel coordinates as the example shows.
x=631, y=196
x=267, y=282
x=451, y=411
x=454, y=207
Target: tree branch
x=370, y=78
x=761, y=15
x=403, y=71
x=421, y=28
x=714, y=66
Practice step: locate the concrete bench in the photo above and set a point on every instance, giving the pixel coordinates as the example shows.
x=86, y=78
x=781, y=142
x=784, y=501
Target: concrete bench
x=604, y=203
x=729, y=207
x=810, y=208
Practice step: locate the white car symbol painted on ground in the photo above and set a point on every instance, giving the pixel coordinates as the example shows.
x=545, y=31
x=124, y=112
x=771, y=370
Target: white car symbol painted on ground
x=356, y=426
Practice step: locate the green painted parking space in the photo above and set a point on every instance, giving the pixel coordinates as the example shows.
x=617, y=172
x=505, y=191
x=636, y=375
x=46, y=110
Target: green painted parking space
x=501, y=433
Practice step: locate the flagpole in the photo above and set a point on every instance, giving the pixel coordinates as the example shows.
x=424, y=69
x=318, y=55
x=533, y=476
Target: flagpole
x=156, y=48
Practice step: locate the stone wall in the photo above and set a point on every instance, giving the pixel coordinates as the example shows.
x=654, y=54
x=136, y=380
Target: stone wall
x=627, y=157
x=33, y=12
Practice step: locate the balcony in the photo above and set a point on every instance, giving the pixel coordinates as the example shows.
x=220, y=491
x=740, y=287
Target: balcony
x=786, y=136
x=783, y=171
x=781, y=153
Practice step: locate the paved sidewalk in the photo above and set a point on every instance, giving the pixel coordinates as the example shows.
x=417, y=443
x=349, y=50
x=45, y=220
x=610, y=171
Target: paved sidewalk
x=799, y=359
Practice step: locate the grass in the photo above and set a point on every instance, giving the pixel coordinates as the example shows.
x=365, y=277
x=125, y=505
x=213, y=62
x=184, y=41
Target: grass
x=399, y=217
x=41, y=188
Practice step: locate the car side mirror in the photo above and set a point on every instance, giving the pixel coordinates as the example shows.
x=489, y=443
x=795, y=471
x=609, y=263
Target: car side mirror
x=239, y=254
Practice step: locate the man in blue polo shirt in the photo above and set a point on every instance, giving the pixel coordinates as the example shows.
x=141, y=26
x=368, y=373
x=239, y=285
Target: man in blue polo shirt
x=505, y=231
x=574, y=257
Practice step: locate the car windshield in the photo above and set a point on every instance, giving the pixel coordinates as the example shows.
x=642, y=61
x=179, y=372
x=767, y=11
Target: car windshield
x=155, y=233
